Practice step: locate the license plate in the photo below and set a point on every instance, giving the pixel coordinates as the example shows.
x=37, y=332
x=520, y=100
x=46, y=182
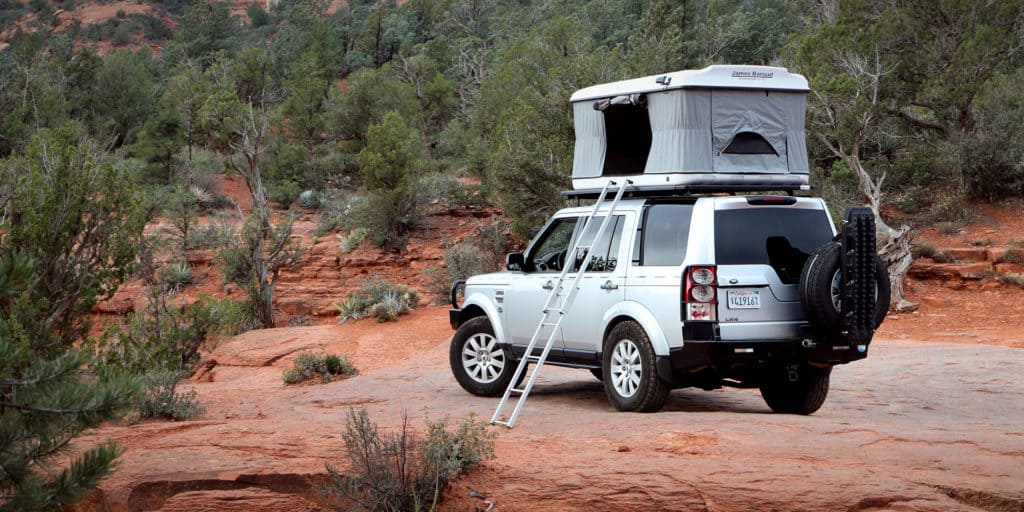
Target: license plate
x=743, y=299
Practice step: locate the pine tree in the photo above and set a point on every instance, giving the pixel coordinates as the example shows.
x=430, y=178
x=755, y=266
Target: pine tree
x=66, y=223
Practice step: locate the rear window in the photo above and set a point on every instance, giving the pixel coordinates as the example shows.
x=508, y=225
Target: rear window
x=780, y=236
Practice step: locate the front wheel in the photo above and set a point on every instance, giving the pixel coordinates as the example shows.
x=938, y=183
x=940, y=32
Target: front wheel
x=480, y=365
x=796, y=389
x=630, y=379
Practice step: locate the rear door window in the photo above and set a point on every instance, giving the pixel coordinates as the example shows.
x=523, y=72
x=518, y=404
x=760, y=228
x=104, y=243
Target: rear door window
x=782, y=237
x=606, y=249
x=665, y=234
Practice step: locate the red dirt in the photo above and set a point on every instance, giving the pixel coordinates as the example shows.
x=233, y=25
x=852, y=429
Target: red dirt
x=90, y=14
x=927, y=422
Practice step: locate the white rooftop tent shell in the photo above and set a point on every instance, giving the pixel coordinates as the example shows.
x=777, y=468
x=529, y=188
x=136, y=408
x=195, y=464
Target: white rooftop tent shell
x=721, y=125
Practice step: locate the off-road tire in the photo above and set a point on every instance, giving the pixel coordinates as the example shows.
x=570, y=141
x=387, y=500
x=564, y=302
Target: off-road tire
x=481, y=328
x=804, y=396
x=651, y=392
x=816, y=288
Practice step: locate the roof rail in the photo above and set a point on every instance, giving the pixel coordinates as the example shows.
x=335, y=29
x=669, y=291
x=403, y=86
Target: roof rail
x=686, y=190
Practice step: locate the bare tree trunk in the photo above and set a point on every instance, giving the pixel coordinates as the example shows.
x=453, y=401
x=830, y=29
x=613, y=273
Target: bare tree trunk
x=867, y=71
x=895, y=252
x=251, y=146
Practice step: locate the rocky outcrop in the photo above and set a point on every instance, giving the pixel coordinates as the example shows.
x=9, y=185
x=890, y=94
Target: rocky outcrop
x=914, y=427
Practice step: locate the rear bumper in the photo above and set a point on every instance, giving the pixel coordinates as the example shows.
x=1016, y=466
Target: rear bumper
x=724, y=354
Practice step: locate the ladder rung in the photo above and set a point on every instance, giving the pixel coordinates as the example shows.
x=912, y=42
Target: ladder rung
x=519, y=390
x=553, y=310
x=549, y=324
x=500, y=422
x=532, y=358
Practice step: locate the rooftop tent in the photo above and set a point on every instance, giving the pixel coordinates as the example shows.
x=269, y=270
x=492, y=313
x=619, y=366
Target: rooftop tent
x=719, y=125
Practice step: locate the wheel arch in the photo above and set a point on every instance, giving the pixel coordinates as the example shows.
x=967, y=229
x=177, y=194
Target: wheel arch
x=476, y=305
x=634, y=311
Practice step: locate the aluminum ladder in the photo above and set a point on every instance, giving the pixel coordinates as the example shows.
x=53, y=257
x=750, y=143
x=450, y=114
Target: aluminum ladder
x=556, y=306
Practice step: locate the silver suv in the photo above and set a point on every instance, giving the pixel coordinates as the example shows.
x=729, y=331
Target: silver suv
x=704, y=291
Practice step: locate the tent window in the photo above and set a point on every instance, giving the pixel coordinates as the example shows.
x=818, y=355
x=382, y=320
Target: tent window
x=749, y=143
x=628, y=128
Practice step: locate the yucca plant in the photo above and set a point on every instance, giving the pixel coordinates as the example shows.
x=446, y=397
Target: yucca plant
x=176, y=276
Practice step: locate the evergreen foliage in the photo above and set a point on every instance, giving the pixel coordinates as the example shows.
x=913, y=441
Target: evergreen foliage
x=78, y=214
x=72, y=224
x=391, y=163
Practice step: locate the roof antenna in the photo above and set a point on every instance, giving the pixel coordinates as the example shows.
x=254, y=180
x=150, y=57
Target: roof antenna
x=663, y=80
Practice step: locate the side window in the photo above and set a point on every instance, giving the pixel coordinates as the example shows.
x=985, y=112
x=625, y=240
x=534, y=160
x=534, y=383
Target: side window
x=606, y=250
x=750, y=143
x=666, y=230
x=549, y=252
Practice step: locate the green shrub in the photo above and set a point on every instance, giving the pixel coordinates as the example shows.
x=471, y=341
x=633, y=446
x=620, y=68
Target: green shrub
x=992, y=155
x=257, y=16
x=176, y=276
x=161, y=344
x=459, y=262
x=492, y=240
x=163, y=399
x=352, y=239
x=379, y=299
x=333, y=210
x=211, y=235
x=949, y=228
x=1012, y=278
x=983, y=242
x=310, y=199
x=300, y=320
x=390, y=164
x=922, y=250
x=1017, y=243
x=911, y=202
x=450, y=193
x=308, y=365
x=1015, y=256
x=952, y=209
x=283, y=192
x=402, y=471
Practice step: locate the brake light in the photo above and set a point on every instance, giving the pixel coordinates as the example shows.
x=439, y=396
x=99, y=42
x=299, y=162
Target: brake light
x=701, y=293
x=771, y=200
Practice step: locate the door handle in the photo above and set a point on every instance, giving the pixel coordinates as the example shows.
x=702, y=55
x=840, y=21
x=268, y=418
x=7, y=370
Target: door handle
x=608, y=285
x=549, y=285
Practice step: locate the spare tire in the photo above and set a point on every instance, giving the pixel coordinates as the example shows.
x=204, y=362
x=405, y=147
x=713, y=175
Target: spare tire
x=820, y=288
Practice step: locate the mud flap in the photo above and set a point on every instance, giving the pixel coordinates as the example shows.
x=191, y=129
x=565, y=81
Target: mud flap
x=858, y=275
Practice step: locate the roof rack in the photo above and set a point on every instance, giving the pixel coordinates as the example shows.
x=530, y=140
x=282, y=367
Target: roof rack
x=684, y=190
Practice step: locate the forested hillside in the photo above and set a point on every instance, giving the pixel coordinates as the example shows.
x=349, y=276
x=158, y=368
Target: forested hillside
x=921, y=92
x=366, y=112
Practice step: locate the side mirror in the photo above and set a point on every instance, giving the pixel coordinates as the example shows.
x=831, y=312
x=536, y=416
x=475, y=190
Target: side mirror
x=515, y=262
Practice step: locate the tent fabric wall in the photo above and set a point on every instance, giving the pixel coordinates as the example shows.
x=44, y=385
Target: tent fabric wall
x=759, y=112
x=591, y=145
x=679, y=128
x=795, y=105
x=692, y=127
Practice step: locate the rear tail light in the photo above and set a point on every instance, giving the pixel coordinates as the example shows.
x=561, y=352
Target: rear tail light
x=701, y=293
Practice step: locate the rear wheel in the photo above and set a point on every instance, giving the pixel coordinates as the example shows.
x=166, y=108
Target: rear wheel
x=796, y=389
x=630, y=379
